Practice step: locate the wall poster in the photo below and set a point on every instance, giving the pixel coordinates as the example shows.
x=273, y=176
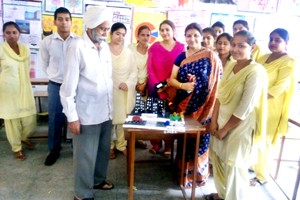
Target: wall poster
x=74, y=6
x=28, y=16
x=48, y=26
x=228, y=19
x=263, y=6
x=182, y=18
x=52, y=5
x=150, y=19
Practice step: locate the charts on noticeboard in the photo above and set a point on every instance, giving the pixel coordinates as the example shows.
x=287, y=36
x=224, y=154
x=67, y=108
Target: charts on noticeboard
x=228, y=19
x=182, y=18
x=28, y=16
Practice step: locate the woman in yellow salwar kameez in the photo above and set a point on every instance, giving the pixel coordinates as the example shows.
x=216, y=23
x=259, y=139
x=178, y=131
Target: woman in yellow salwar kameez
x=238, y=120
x=17, y=106
x=280, y=68
x=124, y=75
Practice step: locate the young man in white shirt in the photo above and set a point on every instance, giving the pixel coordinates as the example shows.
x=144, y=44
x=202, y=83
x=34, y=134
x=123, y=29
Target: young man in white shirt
x=52, y=59
x=86, y=96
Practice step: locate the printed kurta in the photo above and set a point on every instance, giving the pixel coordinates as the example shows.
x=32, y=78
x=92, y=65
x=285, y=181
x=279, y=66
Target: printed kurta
x=16, y=96
x=141, y=60
x=281, y=87
x=124, y=70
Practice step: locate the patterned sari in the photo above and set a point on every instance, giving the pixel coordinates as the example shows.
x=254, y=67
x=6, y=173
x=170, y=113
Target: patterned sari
x=207, y=68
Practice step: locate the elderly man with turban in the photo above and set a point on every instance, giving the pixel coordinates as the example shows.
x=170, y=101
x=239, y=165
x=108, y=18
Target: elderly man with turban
x=86, y=96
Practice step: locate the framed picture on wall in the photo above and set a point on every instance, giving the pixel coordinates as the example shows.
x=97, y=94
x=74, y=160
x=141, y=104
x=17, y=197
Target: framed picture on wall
x=74, y=6
x=182, y=18
x=28, y=16
x=123, y=14
x=52, y=5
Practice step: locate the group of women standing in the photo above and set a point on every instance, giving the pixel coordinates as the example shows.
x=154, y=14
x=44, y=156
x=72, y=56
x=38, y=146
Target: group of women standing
x=232, y=101
x=232, y=104
x=129, y=76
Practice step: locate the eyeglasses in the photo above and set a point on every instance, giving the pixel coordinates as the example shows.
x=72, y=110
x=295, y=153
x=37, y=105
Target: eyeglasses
x=103, y=29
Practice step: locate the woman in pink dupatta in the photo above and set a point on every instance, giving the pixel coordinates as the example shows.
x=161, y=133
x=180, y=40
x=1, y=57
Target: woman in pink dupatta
x=161, y=57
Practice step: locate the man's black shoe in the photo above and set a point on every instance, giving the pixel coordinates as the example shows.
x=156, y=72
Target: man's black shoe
x=51, y=158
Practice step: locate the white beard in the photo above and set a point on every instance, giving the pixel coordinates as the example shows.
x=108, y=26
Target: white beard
x=97, y=37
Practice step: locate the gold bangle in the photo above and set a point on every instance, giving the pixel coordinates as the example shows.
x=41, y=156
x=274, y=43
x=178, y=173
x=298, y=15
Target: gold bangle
x=180, y=85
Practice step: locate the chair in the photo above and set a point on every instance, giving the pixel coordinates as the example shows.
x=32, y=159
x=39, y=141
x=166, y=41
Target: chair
x=279, y=159
x=38, y=95
x=44, y=114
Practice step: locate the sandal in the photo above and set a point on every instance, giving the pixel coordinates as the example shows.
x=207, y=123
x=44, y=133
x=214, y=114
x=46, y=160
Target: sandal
x=167, y=154
x=124, y=152
x=254, y=181
x=152, y=151
x=29, y=145
x=19, y=155
x=140, y=144
x=212, y=196
x=112, y=154
x=104, y=186
x=155, y=148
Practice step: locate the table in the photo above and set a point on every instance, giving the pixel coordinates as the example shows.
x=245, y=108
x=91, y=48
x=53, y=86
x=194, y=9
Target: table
x=39, y=81
x=39, y=94
x=192, y=126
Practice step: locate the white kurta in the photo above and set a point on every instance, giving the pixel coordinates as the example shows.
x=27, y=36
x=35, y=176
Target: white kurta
x=86, y=93
x=124, y=70
x=243, y=95
x=141, y=62
x=235, y=148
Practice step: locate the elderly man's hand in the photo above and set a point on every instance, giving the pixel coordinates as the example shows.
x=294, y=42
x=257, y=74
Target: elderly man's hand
x=74, y=127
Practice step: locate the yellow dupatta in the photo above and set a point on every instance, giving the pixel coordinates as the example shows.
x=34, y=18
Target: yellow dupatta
x=227, y=89
x=25, y=105
x=272, y=68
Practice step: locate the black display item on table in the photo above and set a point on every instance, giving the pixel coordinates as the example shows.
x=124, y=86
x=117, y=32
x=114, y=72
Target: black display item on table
x=151, y=105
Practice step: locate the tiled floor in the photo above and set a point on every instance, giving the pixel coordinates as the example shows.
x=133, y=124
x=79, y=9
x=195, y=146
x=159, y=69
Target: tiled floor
x=30, y=179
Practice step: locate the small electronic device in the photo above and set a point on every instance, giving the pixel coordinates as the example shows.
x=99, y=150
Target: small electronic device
x=161, y=85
